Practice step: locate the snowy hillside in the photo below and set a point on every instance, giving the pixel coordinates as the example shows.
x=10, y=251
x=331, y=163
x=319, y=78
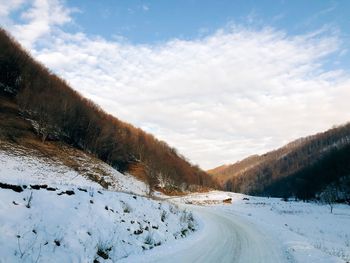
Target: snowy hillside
x=84, y=224
x=20, y=165
x=50, y=212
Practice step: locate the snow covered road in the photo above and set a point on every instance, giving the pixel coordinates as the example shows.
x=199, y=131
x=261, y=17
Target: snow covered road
x=223, y=237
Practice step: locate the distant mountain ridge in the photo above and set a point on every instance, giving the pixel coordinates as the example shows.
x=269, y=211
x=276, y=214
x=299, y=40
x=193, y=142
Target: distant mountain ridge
x=275, y=172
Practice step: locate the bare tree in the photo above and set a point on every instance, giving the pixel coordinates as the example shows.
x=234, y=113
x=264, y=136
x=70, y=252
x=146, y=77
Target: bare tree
x=329, y=196
x=59, y=112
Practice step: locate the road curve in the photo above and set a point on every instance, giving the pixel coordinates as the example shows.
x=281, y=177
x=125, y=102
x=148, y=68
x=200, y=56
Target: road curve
x=224, y=237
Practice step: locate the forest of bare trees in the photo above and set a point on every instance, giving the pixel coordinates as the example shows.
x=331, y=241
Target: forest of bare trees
x=301, y=169
x=60, y=113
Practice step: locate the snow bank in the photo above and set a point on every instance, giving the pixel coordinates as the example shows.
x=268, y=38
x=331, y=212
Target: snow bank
x=73, y=218
x=88, y=224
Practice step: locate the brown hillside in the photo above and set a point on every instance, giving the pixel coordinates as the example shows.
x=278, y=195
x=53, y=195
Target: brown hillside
x=39, y=105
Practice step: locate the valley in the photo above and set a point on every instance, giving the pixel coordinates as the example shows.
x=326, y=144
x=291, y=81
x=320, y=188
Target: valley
x=112, y=113
x=65, y=215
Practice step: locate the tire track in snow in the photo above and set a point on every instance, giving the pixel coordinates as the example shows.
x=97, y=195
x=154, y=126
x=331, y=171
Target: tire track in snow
x=223, y=237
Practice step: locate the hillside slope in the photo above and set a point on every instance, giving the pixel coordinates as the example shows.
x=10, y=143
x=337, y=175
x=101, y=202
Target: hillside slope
x=24, y=156
x=50, y=213
x=293, y=170
x=20, y=165
x=38, y=105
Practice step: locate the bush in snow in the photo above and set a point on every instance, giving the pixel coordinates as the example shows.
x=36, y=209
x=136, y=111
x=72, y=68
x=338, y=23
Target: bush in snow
x=329, y=196
x=28, y=247
x=29, y=200
x=126, y=207
x=149, y=239
x=163, y=216
x=103, y=250
x=187, y=221
x=174, y=209
x=91, y=192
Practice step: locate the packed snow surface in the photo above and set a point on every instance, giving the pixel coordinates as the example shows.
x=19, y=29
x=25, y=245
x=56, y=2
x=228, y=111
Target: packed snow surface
x=304, y=231
x=223, y=237
x=257, y=229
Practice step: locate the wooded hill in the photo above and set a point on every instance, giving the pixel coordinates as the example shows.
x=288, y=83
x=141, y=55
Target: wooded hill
x=56, y=112
x=302, y=168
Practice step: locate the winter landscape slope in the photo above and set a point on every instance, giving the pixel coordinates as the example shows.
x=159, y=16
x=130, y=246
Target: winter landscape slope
x=51, y=213
x=66, y=217
x=38, y=105
x=21, y=165
x=295, y=169
x=62, y=198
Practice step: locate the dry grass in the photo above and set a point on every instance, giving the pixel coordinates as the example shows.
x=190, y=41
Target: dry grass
x=170, y=191
x=227, y=201
x=209, y=202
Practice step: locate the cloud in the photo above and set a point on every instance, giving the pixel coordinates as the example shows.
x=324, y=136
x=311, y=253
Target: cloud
x=218, y=98
x=145, y=8
x=39, y=19
x=7, y=6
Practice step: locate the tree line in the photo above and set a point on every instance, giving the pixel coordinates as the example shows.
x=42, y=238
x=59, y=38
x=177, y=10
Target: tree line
x=273, y=173
x=61, y=113
x=327, y=177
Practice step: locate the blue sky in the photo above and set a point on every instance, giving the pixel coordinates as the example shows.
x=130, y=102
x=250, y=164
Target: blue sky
x=218, y=80
x=154, y=21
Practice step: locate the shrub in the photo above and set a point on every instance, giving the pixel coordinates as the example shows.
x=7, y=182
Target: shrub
x=163, y=216
x=29, y=200
x=126, y=207
x=103, y=251
x=149, y=239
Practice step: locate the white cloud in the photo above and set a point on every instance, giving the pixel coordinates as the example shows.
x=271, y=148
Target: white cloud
x=145, y=8
x=217, y=99
x=40, y=19
x=7, y=6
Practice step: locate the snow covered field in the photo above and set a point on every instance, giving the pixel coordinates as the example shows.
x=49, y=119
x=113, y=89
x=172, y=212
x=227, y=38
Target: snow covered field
x=43, y=226
x=307, y=232
x=60, y=215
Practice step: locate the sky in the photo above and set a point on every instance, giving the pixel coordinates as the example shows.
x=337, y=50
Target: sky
x=218, y=80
